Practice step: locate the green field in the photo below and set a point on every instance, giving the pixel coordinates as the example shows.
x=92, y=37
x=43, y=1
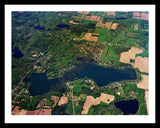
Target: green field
x=103, y=33
x=105, y=52
x=109, y=54
x=55, y=51
x=77, y=87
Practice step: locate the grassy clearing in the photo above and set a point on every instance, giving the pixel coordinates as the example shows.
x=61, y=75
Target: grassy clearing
x=98, y=30
x=105, y=52
x=103, y=34
x=111, y=56
x=115, y=37
x=110, y=36
x=77, y=87
x=88, y=22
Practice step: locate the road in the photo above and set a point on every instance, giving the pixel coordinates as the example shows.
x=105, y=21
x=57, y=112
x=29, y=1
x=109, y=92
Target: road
x=21, y=81
x=71, y=90
x=72, y=100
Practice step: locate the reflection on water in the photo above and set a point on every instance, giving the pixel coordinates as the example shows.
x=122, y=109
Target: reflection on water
x=101, y=75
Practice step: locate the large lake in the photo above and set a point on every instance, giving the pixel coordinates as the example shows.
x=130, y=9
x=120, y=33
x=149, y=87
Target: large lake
x=101, y=75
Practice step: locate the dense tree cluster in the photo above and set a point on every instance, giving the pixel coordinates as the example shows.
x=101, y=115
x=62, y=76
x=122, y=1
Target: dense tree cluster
x=121, y=49
x=49, y=43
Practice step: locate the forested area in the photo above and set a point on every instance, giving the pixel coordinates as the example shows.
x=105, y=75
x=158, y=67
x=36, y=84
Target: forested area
x=48, y=43
x=32, y=40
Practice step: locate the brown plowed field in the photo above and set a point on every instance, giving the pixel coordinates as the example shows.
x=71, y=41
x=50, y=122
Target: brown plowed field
x=41, y=103
x=108, y=25
x=126, y=56
x=55, y=98
x=91, y=101
x=45, y=112
x=111, y=13
x=88, y=103
x=89, y=36
x=35, y=112
x=72, y=22
x=17, y=111
x=83, y=12
x=93, y=18
x=144, y=84
x=63, y=100
x=142, y=64
x=114, y=26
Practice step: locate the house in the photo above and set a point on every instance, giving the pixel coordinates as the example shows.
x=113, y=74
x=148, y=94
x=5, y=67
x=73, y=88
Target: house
x=45, y=112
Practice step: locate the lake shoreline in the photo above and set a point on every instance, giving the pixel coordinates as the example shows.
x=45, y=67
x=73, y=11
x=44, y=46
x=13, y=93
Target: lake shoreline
x=91, y=71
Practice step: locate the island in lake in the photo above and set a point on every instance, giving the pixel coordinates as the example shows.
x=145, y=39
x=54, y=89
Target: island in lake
x=80, y=63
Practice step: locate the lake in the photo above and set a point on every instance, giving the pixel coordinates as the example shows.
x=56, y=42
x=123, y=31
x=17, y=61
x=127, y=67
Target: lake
x=41, y=84
x=128, y=106
x=60, y=26
x=63, y=26
x=39, y=28
x=17, y=53
x=101, y=75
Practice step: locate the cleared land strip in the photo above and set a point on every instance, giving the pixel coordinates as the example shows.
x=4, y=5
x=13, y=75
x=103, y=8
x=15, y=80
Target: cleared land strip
x=107, y=50
x=71, y=95
x=72, y=102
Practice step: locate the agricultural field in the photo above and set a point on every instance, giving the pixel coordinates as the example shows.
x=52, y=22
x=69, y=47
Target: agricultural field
x=50, y=52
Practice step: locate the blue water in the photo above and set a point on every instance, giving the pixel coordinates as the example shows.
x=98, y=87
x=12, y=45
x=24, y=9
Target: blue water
x=63, y=26
x=41, y=84
x=60, y=26
x=128, y=107
x=17, y=53
x=101, y=75
x=39, y=28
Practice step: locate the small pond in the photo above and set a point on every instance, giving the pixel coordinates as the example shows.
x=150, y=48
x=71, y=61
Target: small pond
x=17, y=53
x=128, y=106
x=63, y=26
x=39, y=28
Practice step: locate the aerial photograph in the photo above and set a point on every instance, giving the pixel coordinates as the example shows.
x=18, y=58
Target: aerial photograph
x=80, y=63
